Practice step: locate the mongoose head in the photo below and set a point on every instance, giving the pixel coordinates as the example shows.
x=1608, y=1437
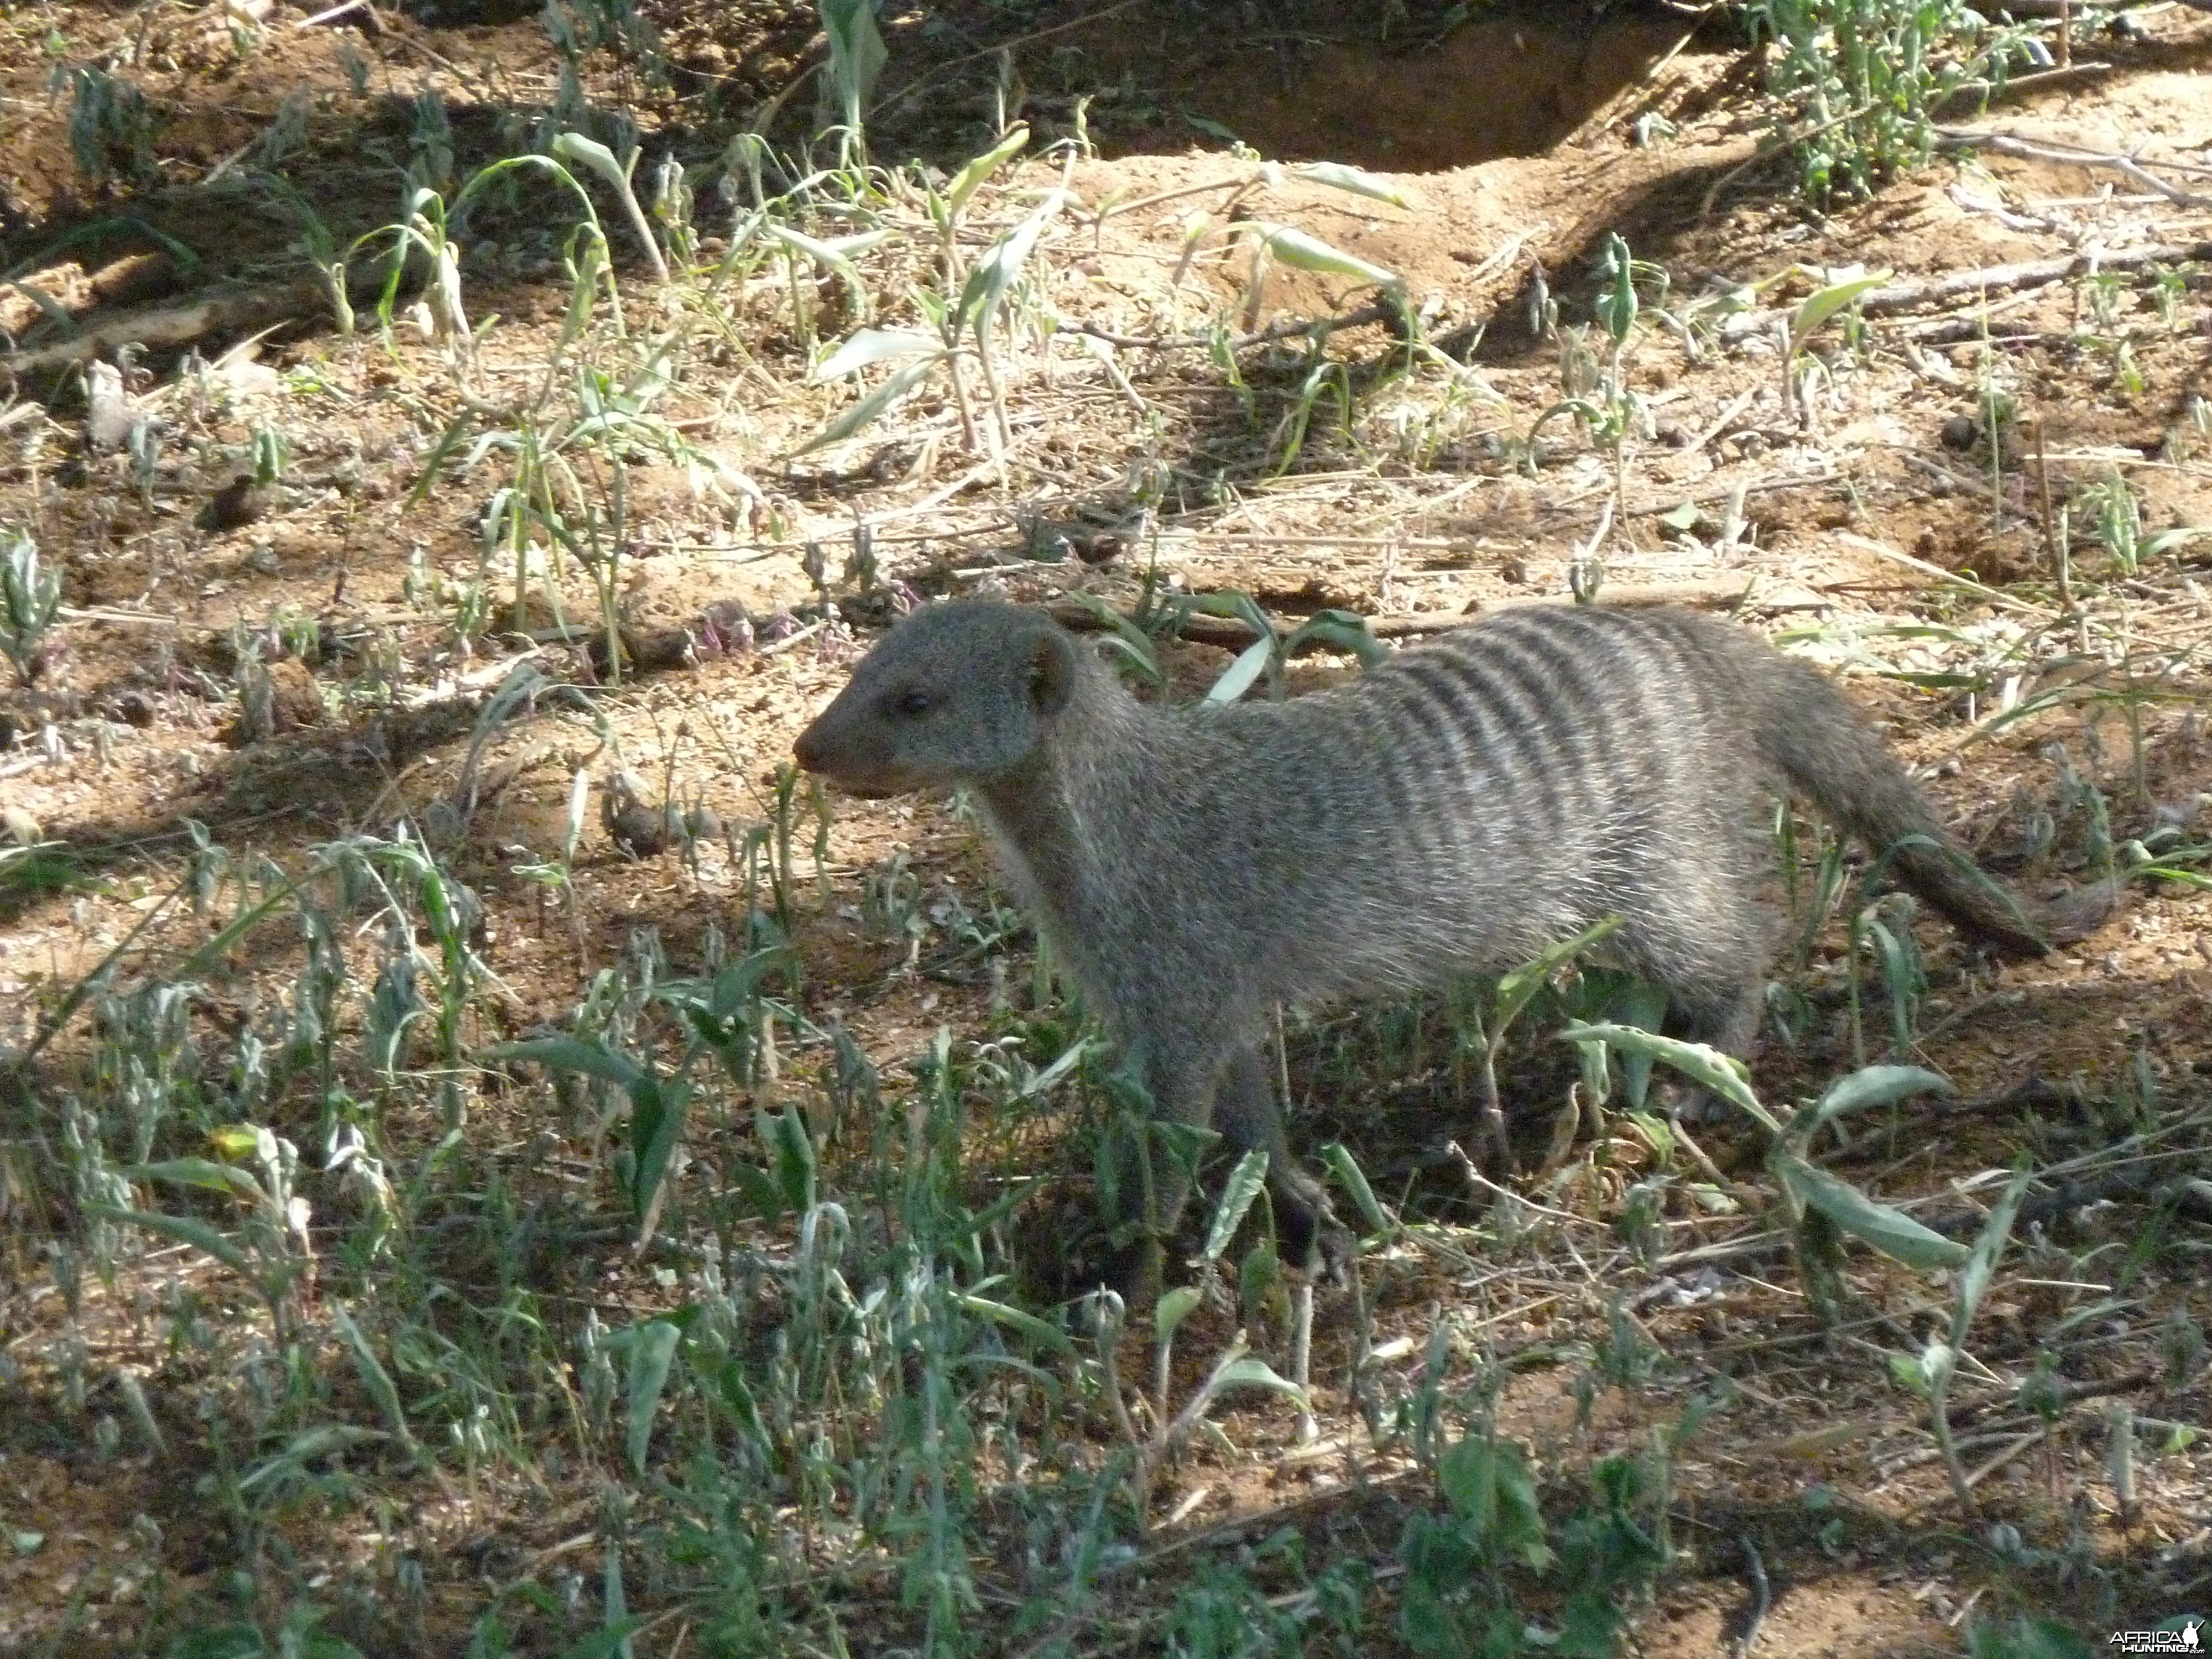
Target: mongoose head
x=962, y=693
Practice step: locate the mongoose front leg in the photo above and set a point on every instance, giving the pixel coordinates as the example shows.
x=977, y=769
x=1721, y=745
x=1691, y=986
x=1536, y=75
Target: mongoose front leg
x=1245, y=1113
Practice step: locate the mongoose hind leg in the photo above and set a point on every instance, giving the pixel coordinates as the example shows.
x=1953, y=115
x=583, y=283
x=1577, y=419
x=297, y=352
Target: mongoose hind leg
x=1245, y=1113
x=1723, y=1014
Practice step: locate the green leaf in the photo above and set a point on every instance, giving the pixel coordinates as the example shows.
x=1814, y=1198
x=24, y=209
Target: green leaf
x=871, y=408
x=1828, y=303
x=373, y=1377
x=1339, y=630
x=1515, y=990
x=1870, y=1086
x=2166, y=540
x=1043, y=1333
x=857, y=54
x=1338, y=176
x=1174, y=1307
x=1720, y=1074
x=652, y=1350
x=758, y=1189
x=184, y=1229
x=1890, y=1231
x=1239, y=676
x=1904, y=1371
x=1257, y=1276
x=971, y=177
x=1617, y=303
x=1982, y=1265
x=2028, y=1637
x=794, y=1156
x=657, y=1111
x=590, y=1056
x=1127, y=635
x=1245, y=1371
x=573, y=147
x=1300, y=252
x=203, y=1172
x=876, y=345
x=1236, y=1195
x=1350, y=1176
x=1001, y=264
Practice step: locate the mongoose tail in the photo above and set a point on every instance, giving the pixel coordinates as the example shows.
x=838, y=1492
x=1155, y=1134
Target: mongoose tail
x=1813, y=736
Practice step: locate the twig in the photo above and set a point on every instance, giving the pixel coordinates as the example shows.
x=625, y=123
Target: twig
x=1378, y=312
x=2026, y=273
x=1990, y=595
x=2027, y=149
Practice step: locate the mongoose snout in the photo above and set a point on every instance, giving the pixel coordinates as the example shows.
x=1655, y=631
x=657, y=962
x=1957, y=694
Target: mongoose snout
x=1450, y=812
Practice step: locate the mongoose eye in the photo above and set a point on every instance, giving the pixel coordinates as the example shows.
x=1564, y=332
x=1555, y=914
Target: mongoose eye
x=910, y=703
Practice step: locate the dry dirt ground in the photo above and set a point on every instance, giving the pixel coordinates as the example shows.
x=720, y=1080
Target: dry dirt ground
x=268, y=669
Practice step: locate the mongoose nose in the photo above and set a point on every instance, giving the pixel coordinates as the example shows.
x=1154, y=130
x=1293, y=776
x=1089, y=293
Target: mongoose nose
x=807, y=750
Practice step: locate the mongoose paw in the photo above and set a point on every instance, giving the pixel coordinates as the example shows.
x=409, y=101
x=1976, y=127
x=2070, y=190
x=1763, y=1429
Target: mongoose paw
x=1329, y=1259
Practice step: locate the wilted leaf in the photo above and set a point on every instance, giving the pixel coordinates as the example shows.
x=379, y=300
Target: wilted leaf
x=1236, y=1195
x=875, y=345
x=1892, y=1231
x=1300, y=252
x=1340, y=177
x=652, y=1350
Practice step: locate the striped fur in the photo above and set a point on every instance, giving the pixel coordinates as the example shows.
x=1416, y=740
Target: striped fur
x=1452, y=812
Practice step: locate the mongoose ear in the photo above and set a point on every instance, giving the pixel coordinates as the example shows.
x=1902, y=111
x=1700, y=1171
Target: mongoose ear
x=1052, y=671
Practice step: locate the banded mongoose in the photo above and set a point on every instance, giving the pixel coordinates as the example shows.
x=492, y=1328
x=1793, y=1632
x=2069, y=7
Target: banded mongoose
x=1453, y=810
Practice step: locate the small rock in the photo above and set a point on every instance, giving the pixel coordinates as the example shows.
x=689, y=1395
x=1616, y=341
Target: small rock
x=641, y=830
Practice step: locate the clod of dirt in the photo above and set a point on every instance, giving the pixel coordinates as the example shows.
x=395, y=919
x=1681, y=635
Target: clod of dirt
x=641, y=830
x=273, y=700
x=647, y=653
x=238, y=503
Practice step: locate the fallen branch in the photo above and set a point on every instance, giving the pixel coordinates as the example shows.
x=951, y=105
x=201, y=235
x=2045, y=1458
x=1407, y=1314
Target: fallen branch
x=2026, y=149
x=1381, y=311
x=218, y=311
x=1981, y=590
x=2027, y=273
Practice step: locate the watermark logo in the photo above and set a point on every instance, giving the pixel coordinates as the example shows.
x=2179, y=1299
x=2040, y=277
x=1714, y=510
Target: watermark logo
x=2185, y=1635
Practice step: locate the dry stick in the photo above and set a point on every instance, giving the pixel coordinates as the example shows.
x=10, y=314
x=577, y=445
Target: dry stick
x=220, y=309
x=2027, y=273
x=2006, y=144
x=1990, y=595
x=1379, y=312
x=2059, y=562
